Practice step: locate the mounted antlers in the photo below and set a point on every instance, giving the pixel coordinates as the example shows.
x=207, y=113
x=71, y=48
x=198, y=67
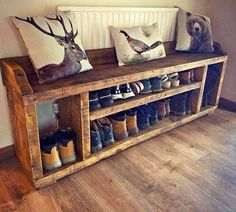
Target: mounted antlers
x=73, y=54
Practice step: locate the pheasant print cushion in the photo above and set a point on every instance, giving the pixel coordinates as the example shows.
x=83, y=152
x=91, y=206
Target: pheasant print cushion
x=54, y=45
x=137, y=44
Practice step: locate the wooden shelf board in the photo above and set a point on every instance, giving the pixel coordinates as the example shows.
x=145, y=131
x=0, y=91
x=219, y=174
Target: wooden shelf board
x=141, y=99
x=162, y=127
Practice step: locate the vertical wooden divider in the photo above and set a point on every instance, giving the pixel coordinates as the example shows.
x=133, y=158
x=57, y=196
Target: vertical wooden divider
x=214, y=99
x=199, y=75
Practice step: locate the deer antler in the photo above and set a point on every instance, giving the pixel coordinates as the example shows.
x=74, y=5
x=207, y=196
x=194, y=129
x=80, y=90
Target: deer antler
x=69, y=35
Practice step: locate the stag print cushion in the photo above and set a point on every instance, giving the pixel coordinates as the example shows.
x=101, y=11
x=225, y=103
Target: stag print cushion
x=54, y=45
x=137, y=44
x=194, y=33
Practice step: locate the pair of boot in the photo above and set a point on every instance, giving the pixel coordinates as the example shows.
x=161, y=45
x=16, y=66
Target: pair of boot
x=163, y=107
x=186, y=77
x=101, y=134
x=181, y=104
x=57, y=148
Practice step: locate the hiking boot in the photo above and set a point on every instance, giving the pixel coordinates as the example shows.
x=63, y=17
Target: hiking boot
x=105, y=97
x=185, y=77
x=131, y=121
x=156, y=84
x=143, y=117
x=167, y=107
x=94, y=101
x=177, y=104
x=137, y=87
x=49, y=152
x=116, y=93
x=106, y=131
x=161, y=108
x=126, y=91
x=147, y=86
x=95, y=138
x=66, y=142
x=153, y=118
x=119, y=125
x=188, y=103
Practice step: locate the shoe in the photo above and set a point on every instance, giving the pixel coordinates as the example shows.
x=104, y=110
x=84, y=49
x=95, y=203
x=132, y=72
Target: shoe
x=119, y=125
x=166, y=84
x=66, y=144
x=156, y=84
x=164, y=78
x=147, y=86
x=153, y=118
x=94, y=101
x=116, y=93
x=106, y=131
x=131, y=121
x=126, y=91
x=188, y=103
x=49, y=152
x=177, y=104
x=161, y=108
x=137, y=87
x=143, y=118
x=185, y=77
x=167, y=107
x=95, y=139
x=174, y=78
x=192, y=75
x=105, y=97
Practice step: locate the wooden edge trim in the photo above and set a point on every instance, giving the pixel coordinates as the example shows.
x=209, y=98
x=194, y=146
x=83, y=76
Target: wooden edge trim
x=227, y=104
x=16, y=77
x=7, y=152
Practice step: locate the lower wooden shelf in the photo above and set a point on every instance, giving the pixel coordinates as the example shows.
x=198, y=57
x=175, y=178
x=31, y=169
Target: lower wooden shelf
x=162, y=127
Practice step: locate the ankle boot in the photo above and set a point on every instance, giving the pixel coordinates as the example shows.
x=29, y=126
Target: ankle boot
x=177, y=106
x=185, y=77
x=188, y=103
x=131, y=121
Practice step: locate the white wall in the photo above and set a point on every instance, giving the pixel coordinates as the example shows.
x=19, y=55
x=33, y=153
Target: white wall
x=11, y=45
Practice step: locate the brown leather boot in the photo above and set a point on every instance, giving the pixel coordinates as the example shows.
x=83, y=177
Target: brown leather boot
x=131, y=121
x=167, y=107
x=185, y=77
x=161, y=109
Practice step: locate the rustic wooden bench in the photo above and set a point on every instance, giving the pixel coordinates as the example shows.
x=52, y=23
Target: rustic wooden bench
x=24, y=92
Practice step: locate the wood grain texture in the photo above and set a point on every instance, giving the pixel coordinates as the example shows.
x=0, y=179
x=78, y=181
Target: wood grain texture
x=6, y=152
x=140, y=99
x=191, y=168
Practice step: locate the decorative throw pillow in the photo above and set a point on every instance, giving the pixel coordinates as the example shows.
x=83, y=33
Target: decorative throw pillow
x=54, y=45
x=137, y=44
x=193, y=33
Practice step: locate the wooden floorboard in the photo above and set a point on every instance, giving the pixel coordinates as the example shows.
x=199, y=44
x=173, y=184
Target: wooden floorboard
x=191, y=168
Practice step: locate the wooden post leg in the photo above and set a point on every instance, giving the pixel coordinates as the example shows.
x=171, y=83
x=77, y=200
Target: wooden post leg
x=199, y=75
x=215, y=97
x=80, y=123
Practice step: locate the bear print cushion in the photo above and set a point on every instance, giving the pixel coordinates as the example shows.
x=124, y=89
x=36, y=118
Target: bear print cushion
x=54, y=45
x=137, y=44
x=193, y=33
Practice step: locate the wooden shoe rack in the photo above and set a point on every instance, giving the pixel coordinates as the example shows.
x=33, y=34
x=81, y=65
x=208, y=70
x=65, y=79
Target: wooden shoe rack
x=24, y=93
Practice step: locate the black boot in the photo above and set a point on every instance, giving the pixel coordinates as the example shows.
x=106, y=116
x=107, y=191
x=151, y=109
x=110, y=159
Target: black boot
x=177, y=104
x=188, y=103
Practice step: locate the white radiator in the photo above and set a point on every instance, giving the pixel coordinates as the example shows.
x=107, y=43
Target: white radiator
x=94, y=22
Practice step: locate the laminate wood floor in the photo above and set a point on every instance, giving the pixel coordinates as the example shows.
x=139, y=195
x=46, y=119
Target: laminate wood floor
x=192, y=168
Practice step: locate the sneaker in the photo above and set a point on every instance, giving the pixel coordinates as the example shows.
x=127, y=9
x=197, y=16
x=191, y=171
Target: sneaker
x=105, y=97
x=94, y=101
x=156, y=84
x=185, y=77
x=177, y=104
x=131, y=121
x=49, y=152
x=119, y=125
x=137, y=87
x=126, y=91
x=116, y=93
x=106, y=131
x=153, y=118
x=143, y=117
x=147, y=86
x=174, y=78
x=161, y=109
x=165, y=81
x=66, y=144
x=95, y=138
x=188, y=103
